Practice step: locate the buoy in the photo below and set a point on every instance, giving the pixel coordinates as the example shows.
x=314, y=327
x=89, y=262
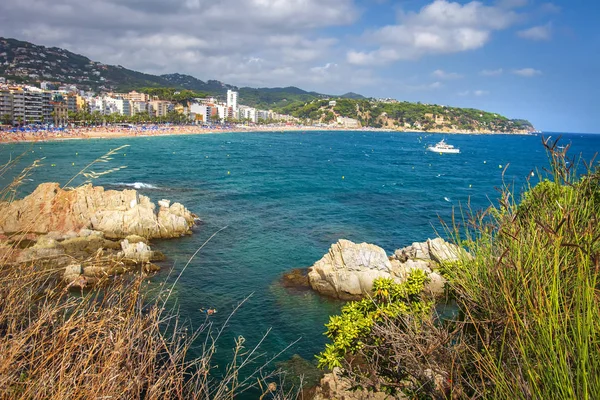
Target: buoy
x=53, y=165
x=32, y=151
x=499, y=166
x=206, y=156
x=485, y=162
x=76, y=154
x=72, y=163
x=124, y=154
x=228, y=173
x=470, y=185
x=343, y=177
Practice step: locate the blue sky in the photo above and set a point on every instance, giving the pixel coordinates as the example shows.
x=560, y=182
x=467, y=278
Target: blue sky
x=531, y=59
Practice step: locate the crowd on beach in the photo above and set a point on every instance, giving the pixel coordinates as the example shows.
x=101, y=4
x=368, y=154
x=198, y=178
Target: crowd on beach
x=42, y=133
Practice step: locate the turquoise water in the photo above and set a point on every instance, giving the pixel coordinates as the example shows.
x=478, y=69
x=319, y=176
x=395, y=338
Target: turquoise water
x=285, y=198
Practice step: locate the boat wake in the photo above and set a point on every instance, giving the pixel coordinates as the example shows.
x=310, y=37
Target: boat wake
x=138, y=185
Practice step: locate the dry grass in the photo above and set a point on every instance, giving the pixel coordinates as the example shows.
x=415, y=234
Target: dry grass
x=120, y=340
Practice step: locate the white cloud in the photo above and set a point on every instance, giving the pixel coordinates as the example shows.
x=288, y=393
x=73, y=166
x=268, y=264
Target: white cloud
x=541, y=32
x=242, y=42
x=441, y=74
x=440, y=27
x=550, y=8
x=492, y=72
x=477, y=93
x=527, y=72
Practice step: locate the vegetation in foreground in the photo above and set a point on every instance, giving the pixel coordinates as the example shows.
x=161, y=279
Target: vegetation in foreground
x=528, y=299
x=120, y=340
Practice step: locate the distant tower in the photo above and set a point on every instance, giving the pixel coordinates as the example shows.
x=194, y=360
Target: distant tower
x=232, y=98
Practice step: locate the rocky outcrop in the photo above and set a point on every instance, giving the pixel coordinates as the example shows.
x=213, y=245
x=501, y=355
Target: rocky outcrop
x=348, y=270
x=90, y=232
x=334, y=386
x=115, y=213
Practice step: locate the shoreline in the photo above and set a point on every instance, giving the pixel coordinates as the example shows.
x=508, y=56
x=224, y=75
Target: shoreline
x=109, y=132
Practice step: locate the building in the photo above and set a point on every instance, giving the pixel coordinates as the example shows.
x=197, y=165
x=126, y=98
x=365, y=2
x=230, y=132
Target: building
x=200, y=114
x=135, y=96
x=232, y=100
x=60, y=112
x=75, y=103
x=18, y=97
x=160, y=108
x=33, y=107
x=248, y=113
x=140, y=107
x=6, y=106
x=262, y=114
x=47, y=108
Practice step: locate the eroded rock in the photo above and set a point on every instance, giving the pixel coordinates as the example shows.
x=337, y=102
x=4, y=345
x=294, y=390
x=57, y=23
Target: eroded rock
x=115, y=213
x=348, y=270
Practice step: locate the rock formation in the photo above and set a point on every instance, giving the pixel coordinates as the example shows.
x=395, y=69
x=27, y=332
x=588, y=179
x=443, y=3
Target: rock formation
x=115, y=213
x=348, y=270
x=334, y=386
x=90, y=232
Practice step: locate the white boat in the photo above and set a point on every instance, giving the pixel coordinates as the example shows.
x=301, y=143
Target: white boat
x=443, y=147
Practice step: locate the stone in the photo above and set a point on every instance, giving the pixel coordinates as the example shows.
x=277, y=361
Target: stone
x=348, y=270
x=136, y=239
x=138, y=252
x=296, y=279
x=72, y=272
x=164, y=203
x=441, y=251
x=334, y=386
x=50, y=208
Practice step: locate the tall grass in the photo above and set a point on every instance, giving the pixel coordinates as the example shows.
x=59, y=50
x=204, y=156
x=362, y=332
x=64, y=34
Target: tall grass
x=530, y=296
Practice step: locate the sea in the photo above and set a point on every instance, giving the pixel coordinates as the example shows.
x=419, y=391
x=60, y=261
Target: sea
x=283, y=198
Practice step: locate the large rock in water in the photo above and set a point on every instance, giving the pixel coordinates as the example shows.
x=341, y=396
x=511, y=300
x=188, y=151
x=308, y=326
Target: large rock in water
x=115, y=213
x=348, y=270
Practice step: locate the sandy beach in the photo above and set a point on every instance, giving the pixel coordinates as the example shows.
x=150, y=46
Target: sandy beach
x=109, y=132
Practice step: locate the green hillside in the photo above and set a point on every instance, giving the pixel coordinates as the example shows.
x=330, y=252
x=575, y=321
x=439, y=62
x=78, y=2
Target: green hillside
x=405, y=115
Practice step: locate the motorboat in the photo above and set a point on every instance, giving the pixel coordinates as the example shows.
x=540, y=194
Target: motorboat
x=443, y=147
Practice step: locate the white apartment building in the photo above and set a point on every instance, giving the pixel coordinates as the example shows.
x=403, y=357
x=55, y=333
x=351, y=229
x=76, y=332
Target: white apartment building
x=248, y=113
x=200, y=114
x=232, y=100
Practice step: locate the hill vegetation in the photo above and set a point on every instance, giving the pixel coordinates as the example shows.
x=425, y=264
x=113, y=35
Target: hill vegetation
x=405, y=115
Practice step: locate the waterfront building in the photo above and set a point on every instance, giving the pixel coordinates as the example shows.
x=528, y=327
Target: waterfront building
x=33, y=107
x=60, y=112
x=47, y=107
x=6, y=105
x=232, y=100
x=135, y=96
x=200, y=114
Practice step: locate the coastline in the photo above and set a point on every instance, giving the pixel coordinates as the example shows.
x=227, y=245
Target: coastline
x=109, y=132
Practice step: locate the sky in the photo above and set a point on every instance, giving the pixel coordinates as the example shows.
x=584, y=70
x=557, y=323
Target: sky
x=530, y=59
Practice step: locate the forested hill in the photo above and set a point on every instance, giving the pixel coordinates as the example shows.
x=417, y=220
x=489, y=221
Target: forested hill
x=407, y=116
